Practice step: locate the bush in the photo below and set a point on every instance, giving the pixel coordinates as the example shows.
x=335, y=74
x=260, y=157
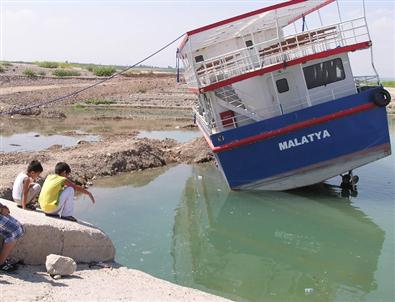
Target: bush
x=2, y=69
x=388, y=83
x=103, y=71
x=30, y=73
x=99, y=102
x=66, y=73
x=79, y=106
x=41, y=73
x=65, y=65
x=90, y=68
x=5, y=63
x=47, y=64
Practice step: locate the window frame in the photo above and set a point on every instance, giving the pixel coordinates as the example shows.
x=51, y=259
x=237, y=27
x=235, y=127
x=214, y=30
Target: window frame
x=199, y=58
x=277, y=85
x=323, y=70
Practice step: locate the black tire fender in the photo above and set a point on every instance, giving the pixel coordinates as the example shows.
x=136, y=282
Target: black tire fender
x=381, y=97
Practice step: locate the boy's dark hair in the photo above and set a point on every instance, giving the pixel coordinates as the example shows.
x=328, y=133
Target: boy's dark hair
x=62, y=167
x=34, y=166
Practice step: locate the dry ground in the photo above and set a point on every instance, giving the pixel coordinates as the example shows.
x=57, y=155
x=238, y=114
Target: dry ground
x=146, y=101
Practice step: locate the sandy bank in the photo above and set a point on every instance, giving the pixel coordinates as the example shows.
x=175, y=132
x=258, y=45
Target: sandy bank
x=32, y=283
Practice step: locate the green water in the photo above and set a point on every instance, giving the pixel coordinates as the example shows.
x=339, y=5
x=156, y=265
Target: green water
x=182, y=224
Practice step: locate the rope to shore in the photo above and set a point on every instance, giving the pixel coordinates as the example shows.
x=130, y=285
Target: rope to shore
x=23, y=109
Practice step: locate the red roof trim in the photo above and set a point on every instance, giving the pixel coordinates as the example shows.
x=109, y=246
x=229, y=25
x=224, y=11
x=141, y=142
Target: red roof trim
x=279, y=66
x=183, y=42
x=246, y=15
x=288, y=129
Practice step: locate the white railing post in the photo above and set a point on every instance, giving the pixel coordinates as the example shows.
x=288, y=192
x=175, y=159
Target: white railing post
x=353, y=31
x=305, y=86
x=278, y=35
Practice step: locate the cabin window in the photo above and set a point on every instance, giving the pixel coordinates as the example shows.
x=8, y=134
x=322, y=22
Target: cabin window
x=282, y=85
x=199, y=59
x=324, y=73
x=249, y=43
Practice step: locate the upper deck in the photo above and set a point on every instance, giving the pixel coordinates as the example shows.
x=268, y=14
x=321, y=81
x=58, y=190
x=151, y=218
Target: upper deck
x=254, y=44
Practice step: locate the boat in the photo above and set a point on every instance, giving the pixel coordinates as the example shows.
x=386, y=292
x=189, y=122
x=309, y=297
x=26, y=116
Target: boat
x=278, y=103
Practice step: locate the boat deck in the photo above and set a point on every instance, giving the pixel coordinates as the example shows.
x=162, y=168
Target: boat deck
x=276, y=51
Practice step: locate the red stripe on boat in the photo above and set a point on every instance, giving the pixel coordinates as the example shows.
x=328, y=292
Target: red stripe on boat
x=285, y=130
x=207, y=138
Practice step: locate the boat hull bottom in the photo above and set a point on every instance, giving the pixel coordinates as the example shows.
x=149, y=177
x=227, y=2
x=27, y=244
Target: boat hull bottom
x=318, y=172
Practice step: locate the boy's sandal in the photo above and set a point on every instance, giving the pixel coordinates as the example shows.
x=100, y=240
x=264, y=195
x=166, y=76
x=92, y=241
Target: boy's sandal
x=28, y=206
x=52, y=215
x=31, y=207
x=8, y=267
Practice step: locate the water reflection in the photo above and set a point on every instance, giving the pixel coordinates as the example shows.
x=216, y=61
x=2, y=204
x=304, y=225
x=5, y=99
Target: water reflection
x=273, y=246
x=135, y=179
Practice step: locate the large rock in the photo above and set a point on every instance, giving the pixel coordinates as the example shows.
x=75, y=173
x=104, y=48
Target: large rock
x=60, y=265
x=46, y=235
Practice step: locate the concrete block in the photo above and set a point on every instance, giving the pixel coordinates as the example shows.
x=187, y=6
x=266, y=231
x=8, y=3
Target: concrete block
x=46, y=235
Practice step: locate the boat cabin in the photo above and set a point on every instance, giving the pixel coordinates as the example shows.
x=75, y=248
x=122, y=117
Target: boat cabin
x=245, y=69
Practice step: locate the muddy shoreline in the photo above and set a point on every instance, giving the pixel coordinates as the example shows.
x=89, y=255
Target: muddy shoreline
x=131, y=105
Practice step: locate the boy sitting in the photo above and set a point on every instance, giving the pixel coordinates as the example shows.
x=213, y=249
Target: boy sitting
x=57, y=194
x=11, y=230
x=25, y=190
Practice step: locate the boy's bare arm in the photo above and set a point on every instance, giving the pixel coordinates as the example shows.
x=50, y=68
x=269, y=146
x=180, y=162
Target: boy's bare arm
x=80, y=189
x=26, y=185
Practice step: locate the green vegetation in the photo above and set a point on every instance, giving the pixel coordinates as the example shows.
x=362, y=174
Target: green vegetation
x=103, y=71
x=2, y=69
x=29, y=73
x=66, y=65
x=5, y=64
x=66, y=73
x=41, y=73
x=79, y=106
x=99, y=102
x=388, y=83
x=47, y=64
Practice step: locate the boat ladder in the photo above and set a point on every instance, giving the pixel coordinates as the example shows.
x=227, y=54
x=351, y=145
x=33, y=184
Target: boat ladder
x=228, y=98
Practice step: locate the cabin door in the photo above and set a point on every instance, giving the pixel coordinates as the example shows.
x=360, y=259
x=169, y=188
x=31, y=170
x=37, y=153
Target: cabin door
x=287, y=92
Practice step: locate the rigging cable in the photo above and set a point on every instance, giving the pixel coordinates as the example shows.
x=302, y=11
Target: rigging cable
x=23, y=109
x=371, y=47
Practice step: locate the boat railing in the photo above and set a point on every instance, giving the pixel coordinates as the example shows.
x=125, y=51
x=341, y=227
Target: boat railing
x=237, y=119
x=363, y=81
x=277, y=51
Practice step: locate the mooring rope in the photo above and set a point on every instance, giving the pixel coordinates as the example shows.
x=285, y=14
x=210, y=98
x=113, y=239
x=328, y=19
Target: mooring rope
x=29, y=107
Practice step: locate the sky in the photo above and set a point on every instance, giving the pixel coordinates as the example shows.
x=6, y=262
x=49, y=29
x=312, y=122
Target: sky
x=123, y=32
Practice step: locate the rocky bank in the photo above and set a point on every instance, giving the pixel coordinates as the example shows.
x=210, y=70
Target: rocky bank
x=84, y=243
